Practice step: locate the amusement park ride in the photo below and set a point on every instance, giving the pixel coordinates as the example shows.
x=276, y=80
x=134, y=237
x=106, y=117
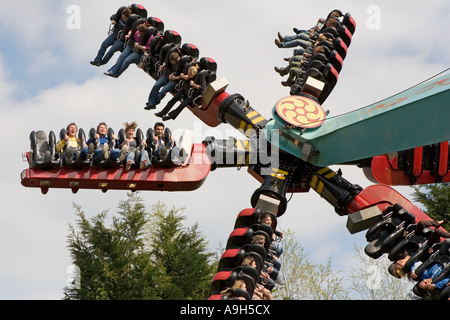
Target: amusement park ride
x=289, y=153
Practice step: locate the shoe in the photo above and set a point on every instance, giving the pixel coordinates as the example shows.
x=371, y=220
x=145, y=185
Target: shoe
x=278, y=43
x=286, y=83
x=286, y=59
x=279, y=70
x=166, y=117
x=159, y=114
x=95, y=63
x=105, y=149
x=148, y=107
x=107, y=73
x=123, y=153
x=279, y=282
x=90, y=153
x=128, y=165
x=163, y=154
x=68, y=155
x=296, y=30
x=280, y=37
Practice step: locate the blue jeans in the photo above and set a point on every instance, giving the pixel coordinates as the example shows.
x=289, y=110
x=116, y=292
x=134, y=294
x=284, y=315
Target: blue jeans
x=117, y=46
x=153, y=99
x=109, y=41
x=295, y=43
x=98, y=154
x=144, y=156
x=301, y=36
x=126, y=58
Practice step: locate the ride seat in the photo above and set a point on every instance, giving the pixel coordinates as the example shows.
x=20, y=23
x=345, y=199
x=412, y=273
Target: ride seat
x=43, y=153
x=345, y=35
x=247, y=217
x=239, y=237
x=340, y=46
x=231, y=258
x=171, y=36
x=190, y=50
x=349, y=22
x=157, y=23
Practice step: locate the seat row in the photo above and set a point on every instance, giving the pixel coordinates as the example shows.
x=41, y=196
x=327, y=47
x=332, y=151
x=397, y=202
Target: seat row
x=249, y=267
x=419, y=250
x=44, y=154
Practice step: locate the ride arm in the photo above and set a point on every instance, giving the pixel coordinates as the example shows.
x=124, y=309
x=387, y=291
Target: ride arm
x=362, y=206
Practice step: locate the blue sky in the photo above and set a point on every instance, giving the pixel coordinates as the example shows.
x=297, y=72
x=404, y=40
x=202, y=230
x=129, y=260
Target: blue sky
x=46, y=81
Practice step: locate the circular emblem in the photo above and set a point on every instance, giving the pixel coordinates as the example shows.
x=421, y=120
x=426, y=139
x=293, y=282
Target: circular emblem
x=300, y=111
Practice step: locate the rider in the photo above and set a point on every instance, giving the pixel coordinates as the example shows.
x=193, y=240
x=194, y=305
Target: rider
x=130, y=146
x=113, y=40
x=98, y=146
x=71, y=142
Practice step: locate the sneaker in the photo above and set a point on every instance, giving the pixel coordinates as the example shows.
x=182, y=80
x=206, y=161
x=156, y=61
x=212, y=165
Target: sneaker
x=163, y=153
x=95, y=63
x=279, y=282
x=105, y=148
x=90, y=153
x=68, y=155
x=123, y=153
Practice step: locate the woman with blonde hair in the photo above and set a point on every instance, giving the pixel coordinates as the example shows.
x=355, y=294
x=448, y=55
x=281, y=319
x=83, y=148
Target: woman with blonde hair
x=130, y=147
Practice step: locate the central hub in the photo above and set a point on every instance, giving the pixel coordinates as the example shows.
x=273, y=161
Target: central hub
x=300, y=111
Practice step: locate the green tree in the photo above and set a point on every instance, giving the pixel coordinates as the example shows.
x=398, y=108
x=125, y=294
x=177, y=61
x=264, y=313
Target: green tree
x=182, y=253
x=118, y=262
x=436, y=200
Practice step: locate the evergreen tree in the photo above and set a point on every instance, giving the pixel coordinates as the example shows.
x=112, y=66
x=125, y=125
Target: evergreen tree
x=119, y=263
x=182, y=254
x=436, y=199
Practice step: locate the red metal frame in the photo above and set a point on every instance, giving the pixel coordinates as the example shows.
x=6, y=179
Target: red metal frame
x=186, y=177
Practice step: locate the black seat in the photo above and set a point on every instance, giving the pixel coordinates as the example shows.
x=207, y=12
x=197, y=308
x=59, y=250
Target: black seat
x=190, y=50
x=231, y=258
x=345, y=35
x=239, y=237
x=247, y=217
x=441, y=256
x=349, y=22
x=157, y=23
x=43, y=149
x=389, y=231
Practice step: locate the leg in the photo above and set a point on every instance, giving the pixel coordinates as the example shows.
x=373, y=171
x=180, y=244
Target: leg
x=171, y=103
x=145, y=160
x=166, y=89
x=174, y=113
x=117, y=46
x=115, y=68
x=105, y=44
x=132, y=58
x=153, y=96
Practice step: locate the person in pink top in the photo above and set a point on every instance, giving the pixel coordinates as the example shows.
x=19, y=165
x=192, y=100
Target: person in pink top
x=138, y=41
